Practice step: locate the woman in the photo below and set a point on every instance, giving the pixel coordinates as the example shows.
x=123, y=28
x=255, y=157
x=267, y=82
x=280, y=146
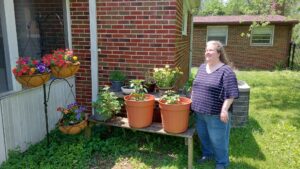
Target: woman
x=213, y=92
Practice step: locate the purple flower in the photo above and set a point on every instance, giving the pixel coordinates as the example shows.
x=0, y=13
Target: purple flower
x=41, y=67
x=78, y=115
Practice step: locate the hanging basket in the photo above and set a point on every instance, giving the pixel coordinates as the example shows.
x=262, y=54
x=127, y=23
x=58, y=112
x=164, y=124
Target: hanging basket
x=73, y=129
x=33, y=80
x=65, y=71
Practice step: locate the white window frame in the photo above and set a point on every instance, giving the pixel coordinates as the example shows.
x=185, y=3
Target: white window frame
x=208, y=28
x=184, y=18
x=271, y=27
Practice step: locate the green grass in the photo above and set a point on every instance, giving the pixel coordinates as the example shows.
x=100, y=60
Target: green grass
x=271, y=140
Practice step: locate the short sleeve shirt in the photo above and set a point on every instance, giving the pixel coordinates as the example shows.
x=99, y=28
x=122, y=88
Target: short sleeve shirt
x=210, y=90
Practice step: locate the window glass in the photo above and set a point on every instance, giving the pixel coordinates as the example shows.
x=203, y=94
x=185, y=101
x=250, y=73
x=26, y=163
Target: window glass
x=217, y=33
x=27, y=29
x=262, y=36
x=3, y=71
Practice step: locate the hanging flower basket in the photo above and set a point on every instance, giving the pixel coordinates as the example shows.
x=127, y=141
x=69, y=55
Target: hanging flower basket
x=73, y=129
x=34, y=80
x=65, y=71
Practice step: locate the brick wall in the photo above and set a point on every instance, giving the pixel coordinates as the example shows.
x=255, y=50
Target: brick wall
x=182, y=43
x=241, y=53
x=134, y=36
x=81, y=46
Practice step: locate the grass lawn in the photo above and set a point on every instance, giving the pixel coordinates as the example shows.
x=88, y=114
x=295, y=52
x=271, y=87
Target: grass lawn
x=271, y=140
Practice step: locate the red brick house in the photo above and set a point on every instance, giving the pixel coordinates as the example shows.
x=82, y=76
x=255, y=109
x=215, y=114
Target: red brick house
x=264, y=49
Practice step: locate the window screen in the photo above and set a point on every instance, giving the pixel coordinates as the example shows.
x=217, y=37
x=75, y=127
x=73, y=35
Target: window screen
x=217, y=33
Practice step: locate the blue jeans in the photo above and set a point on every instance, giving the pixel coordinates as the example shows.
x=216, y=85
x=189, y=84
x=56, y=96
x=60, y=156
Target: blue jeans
x=214, y=137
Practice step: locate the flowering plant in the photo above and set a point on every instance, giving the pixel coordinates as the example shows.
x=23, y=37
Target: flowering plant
x=166, y=77
x=29, y=66
x=170, y=97
x=60, y=58
x=73, y=114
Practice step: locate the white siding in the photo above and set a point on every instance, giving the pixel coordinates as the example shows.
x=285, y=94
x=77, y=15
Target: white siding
x=24, y=118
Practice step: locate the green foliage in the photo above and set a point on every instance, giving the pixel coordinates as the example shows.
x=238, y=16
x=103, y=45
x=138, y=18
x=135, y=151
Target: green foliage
x=170, y=97
x=166, y=77
x=107, y=103
x=139, y=90
x=117, y=75
x=212, y=7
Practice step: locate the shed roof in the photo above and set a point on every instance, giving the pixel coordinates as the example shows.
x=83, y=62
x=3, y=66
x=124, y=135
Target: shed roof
x=242, y=19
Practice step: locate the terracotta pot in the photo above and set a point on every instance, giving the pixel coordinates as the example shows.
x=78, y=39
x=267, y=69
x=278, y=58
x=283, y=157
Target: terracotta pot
x=65, y=71
x=139, y=113
x=33, y=80
x=175, y=117
x=73, y=129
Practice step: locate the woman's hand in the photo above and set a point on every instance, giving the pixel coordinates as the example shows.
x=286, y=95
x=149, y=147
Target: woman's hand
x=224, y=116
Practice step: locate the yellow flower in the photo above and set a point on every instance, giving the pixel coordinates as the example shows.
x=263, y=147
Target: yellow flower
x=75, y=58
x=32, y=69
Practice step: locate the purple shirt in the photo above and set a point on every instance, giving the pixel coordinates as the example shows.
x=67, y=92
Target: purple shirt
x=210, y=90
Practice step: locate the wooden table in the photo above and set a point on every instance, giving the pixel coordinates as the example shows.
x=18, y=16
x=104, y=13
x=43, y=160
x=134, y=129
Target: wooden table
x=153, y=128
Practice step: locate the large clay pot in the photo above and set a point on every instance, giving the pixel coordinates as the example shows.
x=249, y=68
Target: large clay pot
x=139, y=113
x=33, y=80
x=175, y=117
x=73, y=129
x=65, y=71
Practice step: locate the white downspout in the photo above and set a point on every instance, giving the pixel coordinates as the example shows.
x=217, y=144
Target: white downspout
x=94, y=48
x=67, y=24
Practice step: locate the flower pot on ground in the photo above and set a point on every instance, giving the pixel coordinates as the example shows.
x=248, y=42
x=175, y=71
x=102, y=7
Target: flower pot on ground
x=139, y=106
x=31, y=72
x=175, y=112
x=106, y=105
x=117, y=79
x=62, y=62
x=73, y=120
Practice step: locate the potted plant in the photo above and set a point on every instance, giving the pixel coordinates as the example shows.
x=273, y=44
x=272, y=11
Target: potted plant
x=106, y=105
x=73, y=120
x=62, y=62
x=31, y=72
x=174, y=112
x=139, y=106
x=149, y=82
x=117, y=79
x=166, y=77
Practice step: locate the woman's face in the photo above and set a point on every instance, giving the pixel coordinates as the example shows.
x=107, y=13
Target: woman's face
x=211, y=54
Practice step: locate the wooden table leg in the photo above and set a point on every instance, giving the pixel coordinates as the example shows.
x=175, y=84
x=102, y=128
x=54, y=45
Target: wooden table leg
x=190, y=152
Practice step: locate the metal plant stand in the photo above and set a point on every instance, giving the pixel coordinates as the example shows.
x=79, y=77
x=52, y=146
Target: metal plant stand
x=46, y=99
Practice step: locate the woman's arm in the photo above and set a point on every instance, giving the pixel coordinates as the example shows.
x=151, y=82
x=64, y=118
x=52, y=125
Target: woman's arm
x=225, y=107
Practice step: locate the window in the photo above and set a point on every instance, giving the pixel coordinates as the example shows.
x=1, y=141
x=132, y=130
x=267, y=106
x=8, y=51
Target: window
x=262, y=36
x=184, y=19
x=219, y=33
